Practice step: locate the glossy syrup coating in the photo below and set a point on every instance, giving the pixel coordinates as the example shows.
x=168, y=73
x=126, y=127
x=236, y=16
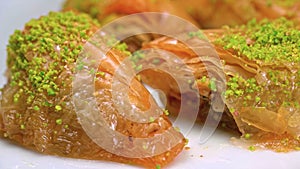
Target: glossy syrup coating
x=264, y=96
x=261, y=63
x=37, y=109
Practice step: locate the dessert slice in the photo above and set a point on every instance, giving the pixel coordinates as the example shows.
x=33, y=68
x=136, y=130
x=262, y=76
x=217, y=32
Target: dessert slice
x=38, y=109
x=260, y=61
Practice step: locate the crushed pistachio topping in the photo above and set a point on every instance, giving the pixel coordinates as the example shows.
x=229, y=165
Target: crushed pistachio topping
x=268, y=54
x=247, y=136
x=58, y=121
x=252, y=148
x=238, y=86
x=151, y=119
x=18, y=115
x=36, y=108
x=135, y=58
x=102, y=74
x=266, y=41
x=199, y=34
x=39, y=54
x=66, y=126
x=212, y=84
x=166, y=112
x=123, y=48
x=58, y=108
x=22, y=126
x=202, y=80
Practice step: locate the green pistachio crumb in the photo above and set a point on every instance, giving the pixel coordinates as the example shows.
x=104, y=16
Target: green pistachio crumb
x=232, y=110
x=101, y=73
x=238, y=86
x=268, y=41
x=58, y=108
x=136, y=57
x=252, y=148
x=22, y=126
x=166, y=112
x=247, y=136
x=139, y=67
x=151, y=119
x=59, y=121
x=36, y=108
x=92, y=71
x=257, y=99
x=123, y=48
x=16, y=98
x=55, y=36
x=51, y=92
x=199, y=34
x=212, y=85
x=158, y=166
x=248, y=97
x=18, y=115
x=80, y=66
x=203, y=79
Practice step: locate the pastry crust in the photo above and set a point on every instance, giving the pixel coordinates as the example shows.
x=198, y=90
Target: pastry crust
x=214, y=14
x=262, y=87
x=37, y=109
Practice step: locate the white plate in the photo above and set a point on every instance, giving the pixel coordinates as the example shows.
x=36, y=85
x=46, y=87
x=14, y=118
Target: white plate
x=217, y=152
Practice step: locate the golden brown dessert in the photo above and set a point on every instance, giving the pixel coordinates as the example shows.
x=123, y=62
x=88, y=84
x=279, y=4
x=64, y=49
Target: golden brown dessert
x=261, y=63
x=212, y=14
x=107, y=10
x=37, y=110
x=216, y=13
x=206, y=13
